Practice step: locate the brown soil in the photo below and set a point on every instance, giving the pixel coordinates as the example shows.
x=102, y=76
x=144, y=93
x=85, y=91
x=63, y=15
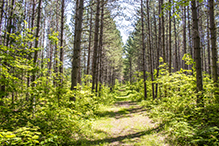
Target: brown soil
x=128, y=125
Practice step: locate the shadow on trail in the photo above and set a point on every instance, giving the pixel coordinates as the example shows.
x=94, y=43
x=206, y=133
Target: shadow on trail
x=120, y=138
x=110, y=114
x=125, y=112
x=124, y=103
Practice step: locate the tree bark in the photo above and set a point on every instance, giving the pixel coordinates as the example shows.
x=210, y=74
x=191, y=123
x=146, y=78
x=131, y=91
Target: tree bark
x=190, y=40
x=197, y=48
x=158, y=48
x=150, y=49
x=61, y=40
x=176, y=48
x=208, y=47
x=170, y=51
x=2, y=11
x=184, y=37
x=36, y=51
x=163, y=32
x=143, y=49
x=90, y=35
x=101, y=45
x=94, y=69
x=213, y=47
x=77, y=44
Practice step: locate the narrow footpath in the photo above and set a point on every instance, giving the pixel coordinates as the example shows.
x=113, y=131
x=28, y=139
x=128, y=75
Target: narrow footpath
x=124, y=124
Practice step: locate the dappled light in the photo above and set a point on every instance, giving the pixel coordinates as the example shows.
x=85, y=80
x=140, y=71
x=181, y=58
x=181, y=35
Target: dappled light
x=109, y=72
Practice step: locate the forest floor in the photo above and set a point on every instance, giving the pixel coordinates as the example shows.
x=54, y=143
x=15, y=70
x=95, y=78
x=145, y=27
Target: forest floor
x=124, y=124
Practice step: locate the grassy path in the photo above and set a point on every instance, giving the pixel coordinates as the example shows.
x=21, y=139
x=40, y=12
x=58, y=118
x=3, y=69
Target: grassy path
x=125, y=123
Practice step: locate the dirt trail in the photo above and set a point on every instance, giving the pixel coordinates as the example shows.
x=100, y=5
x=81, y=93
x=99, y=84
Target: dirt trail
x=126, y=124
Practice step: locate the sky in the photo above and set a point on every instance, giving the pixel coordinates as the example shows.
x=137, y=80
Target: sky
x=125, y=21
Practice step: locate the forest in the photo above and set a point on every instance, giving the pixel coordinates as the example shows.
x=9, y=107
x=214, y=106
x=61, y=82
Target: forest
x=68, y=76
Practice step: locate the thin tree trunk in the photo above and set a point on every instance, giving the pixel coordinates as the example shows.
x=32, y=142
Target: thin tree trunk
x=166, y=40
x=184, y=37
x=101, y=46
x=190, y=40
x=197, y=48
x=79, y=69
x=90, y=35
x=61, y=40
x=143, y=49
x=130, y=70
x=208, y=46
x=94, y=69
x=36, y=51
x=2, y=11
x=176, y=48
x=10, y=22
x=201, y=35
x=29, y=57
x=213, y=47
x=56, y=45
x=163, y=32
x=150, y=49
x=158, y=47
x=170, y=51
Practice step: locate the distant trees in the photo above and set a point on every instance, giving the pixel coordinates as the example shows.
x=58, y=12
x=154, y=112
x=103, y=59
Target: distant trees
x=185, y=34
x=52, y=46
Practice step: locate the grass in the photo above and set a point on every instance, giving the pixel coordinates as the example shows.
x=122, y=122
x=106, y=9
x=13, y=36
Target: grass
x=124, y=123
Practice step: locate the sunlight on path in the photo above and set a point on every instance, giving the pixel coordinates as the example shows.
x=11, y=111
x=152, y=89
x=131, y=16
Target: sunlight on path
x=126, y=124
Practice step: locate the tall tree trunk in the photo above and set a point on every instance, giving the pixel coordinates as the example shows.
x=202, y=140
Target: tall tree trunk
x=213, y=47
x=170, y=51
x=190, y=40
x=77, y=44
x=61, y=40
x=150, y=49
x=36, y=51
x=176, y=48
x=200, y=13
x=29, y=57
x=61, y=58
x=163, y=32
x=157, y=48
x=143, y=49
x=184, y=37
x=97, y=66
x=197, y=48
x=208, y=47
x=90, y=35
x=56, y=45
x=166, y=40
x=7, y=37
x=79, y=69
x=1, y=16
x=101, y=45
x=94, y=69
x=9, y=27
x=130, y=70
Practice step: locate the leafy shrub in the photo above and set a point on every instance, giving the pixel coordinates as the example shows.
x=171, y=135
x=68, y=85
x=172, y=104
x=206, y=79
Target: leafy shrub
x=22, y=136
x=185, y=123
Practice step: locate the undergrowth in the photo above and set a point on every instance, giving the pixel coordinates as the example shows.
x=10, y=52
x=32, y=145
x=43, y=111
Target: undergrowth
x=184, y=122
x=43, y=112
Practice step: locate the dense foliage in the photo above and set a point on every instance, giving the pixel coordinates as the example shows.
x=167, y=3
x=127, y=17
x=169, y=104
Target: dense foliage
x=47, y=66
x=176, y=111
x=42, y=113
